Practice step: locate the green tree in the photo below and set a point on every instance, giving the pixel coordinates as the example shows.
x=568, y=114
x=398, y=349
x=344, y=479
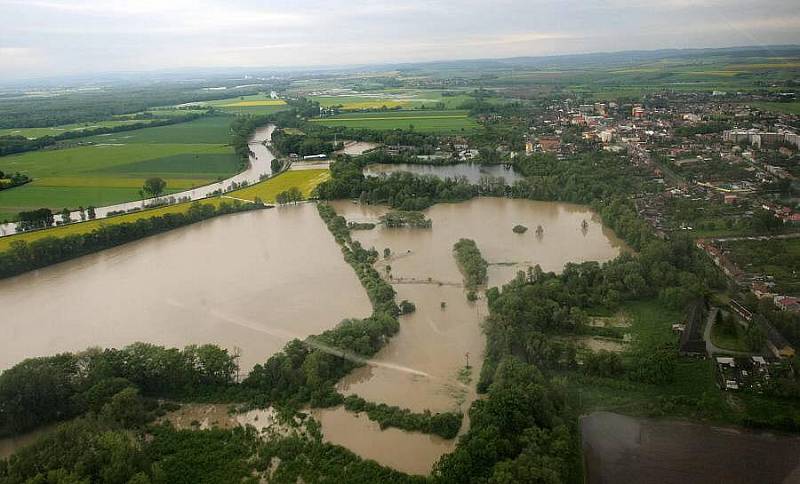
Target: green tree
x=125, y=409
x=154, y=186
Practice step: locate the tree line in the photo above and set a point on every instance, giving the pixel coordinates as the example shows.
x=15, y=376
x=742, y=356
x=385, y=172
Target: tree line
x=39, y=391
x=471, y=263
x=24, y=256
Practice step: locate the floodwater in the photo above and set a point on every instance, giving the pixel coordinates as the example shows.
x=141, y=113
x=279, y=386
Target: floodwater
x=473, y=172
x=204, y=416
x=619, y=449
x=355, y=148
x=250, y=281
x=419, y=368
x=9, y=445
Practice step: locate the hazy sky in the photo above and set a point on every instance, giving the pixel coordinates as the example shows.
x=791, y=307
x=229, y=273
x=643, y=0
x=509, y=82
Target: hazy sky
x=51, y=37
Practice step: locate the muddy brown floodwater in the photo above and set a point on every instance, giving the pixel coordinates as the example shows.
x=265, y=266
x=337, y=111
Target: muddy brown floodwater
x=251, y=281
x=419, y=367
x=621, y=450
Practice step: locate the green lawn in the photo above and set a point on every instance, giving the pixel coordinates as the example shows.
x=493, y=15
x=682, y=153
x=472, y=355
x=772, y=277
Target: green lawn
x=423, y=121
x=729, y=336
x=113, y=168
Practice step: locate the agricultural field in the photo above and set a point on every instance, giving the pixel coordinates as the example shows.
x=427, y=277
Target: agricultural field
x=423, y=121
x=786, y=108
x=392, y=99
x=34, y=133
x=255, y=104
x=113, y=167
x=305, y=180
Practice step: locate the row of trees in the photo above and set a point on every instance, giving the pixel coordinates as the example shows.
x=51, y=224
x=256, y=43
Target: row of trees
x=11, y=180
x=292, y=195
x=471, y=263
x=445, y=424
x=39, y=391
x=24, y=256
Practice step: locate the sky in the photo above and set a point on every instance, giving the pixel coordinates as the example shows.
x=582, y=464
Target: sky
x=48, y=38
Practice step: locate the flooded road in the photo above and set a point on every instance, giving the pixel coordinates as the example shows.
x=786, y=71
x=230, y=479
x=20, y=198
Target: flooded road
x=621, y=450
x=471, y=171
x=251, y=281
x=434, y=340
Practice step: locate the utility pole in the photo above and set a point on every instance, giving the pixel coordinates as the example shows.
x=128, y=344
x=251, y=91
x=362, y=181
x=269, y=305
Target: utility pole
x=466, y=355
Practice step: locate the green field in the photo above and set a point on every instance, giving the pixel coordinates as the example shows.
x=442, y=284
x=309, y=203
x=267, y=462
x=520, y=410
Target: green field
x=392, y=98
x=423, y=121
x=787, y=108
x=305, y=180
x=33, y=133
x=113, y=168
x=255, y=104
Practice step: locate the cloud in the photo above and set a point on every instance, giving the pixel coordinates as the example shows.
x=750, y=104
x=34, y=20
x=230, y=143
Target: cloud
x=72, y=36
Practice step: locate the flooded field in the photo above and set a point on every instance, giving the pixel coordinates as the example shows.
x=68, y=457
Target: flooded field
x=202, y=416
x=620, y=449
x=434, y=341
x=253, y=281
x=9, y=445
x=471, y=171
x=250, y=281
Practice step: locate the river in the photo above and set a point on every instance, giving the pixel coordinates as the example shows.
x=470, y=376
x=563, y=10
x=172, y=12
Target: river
x=260, y=164
x=473, y=172
x=621, y=450
x=251, y=281
x=419, y=367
